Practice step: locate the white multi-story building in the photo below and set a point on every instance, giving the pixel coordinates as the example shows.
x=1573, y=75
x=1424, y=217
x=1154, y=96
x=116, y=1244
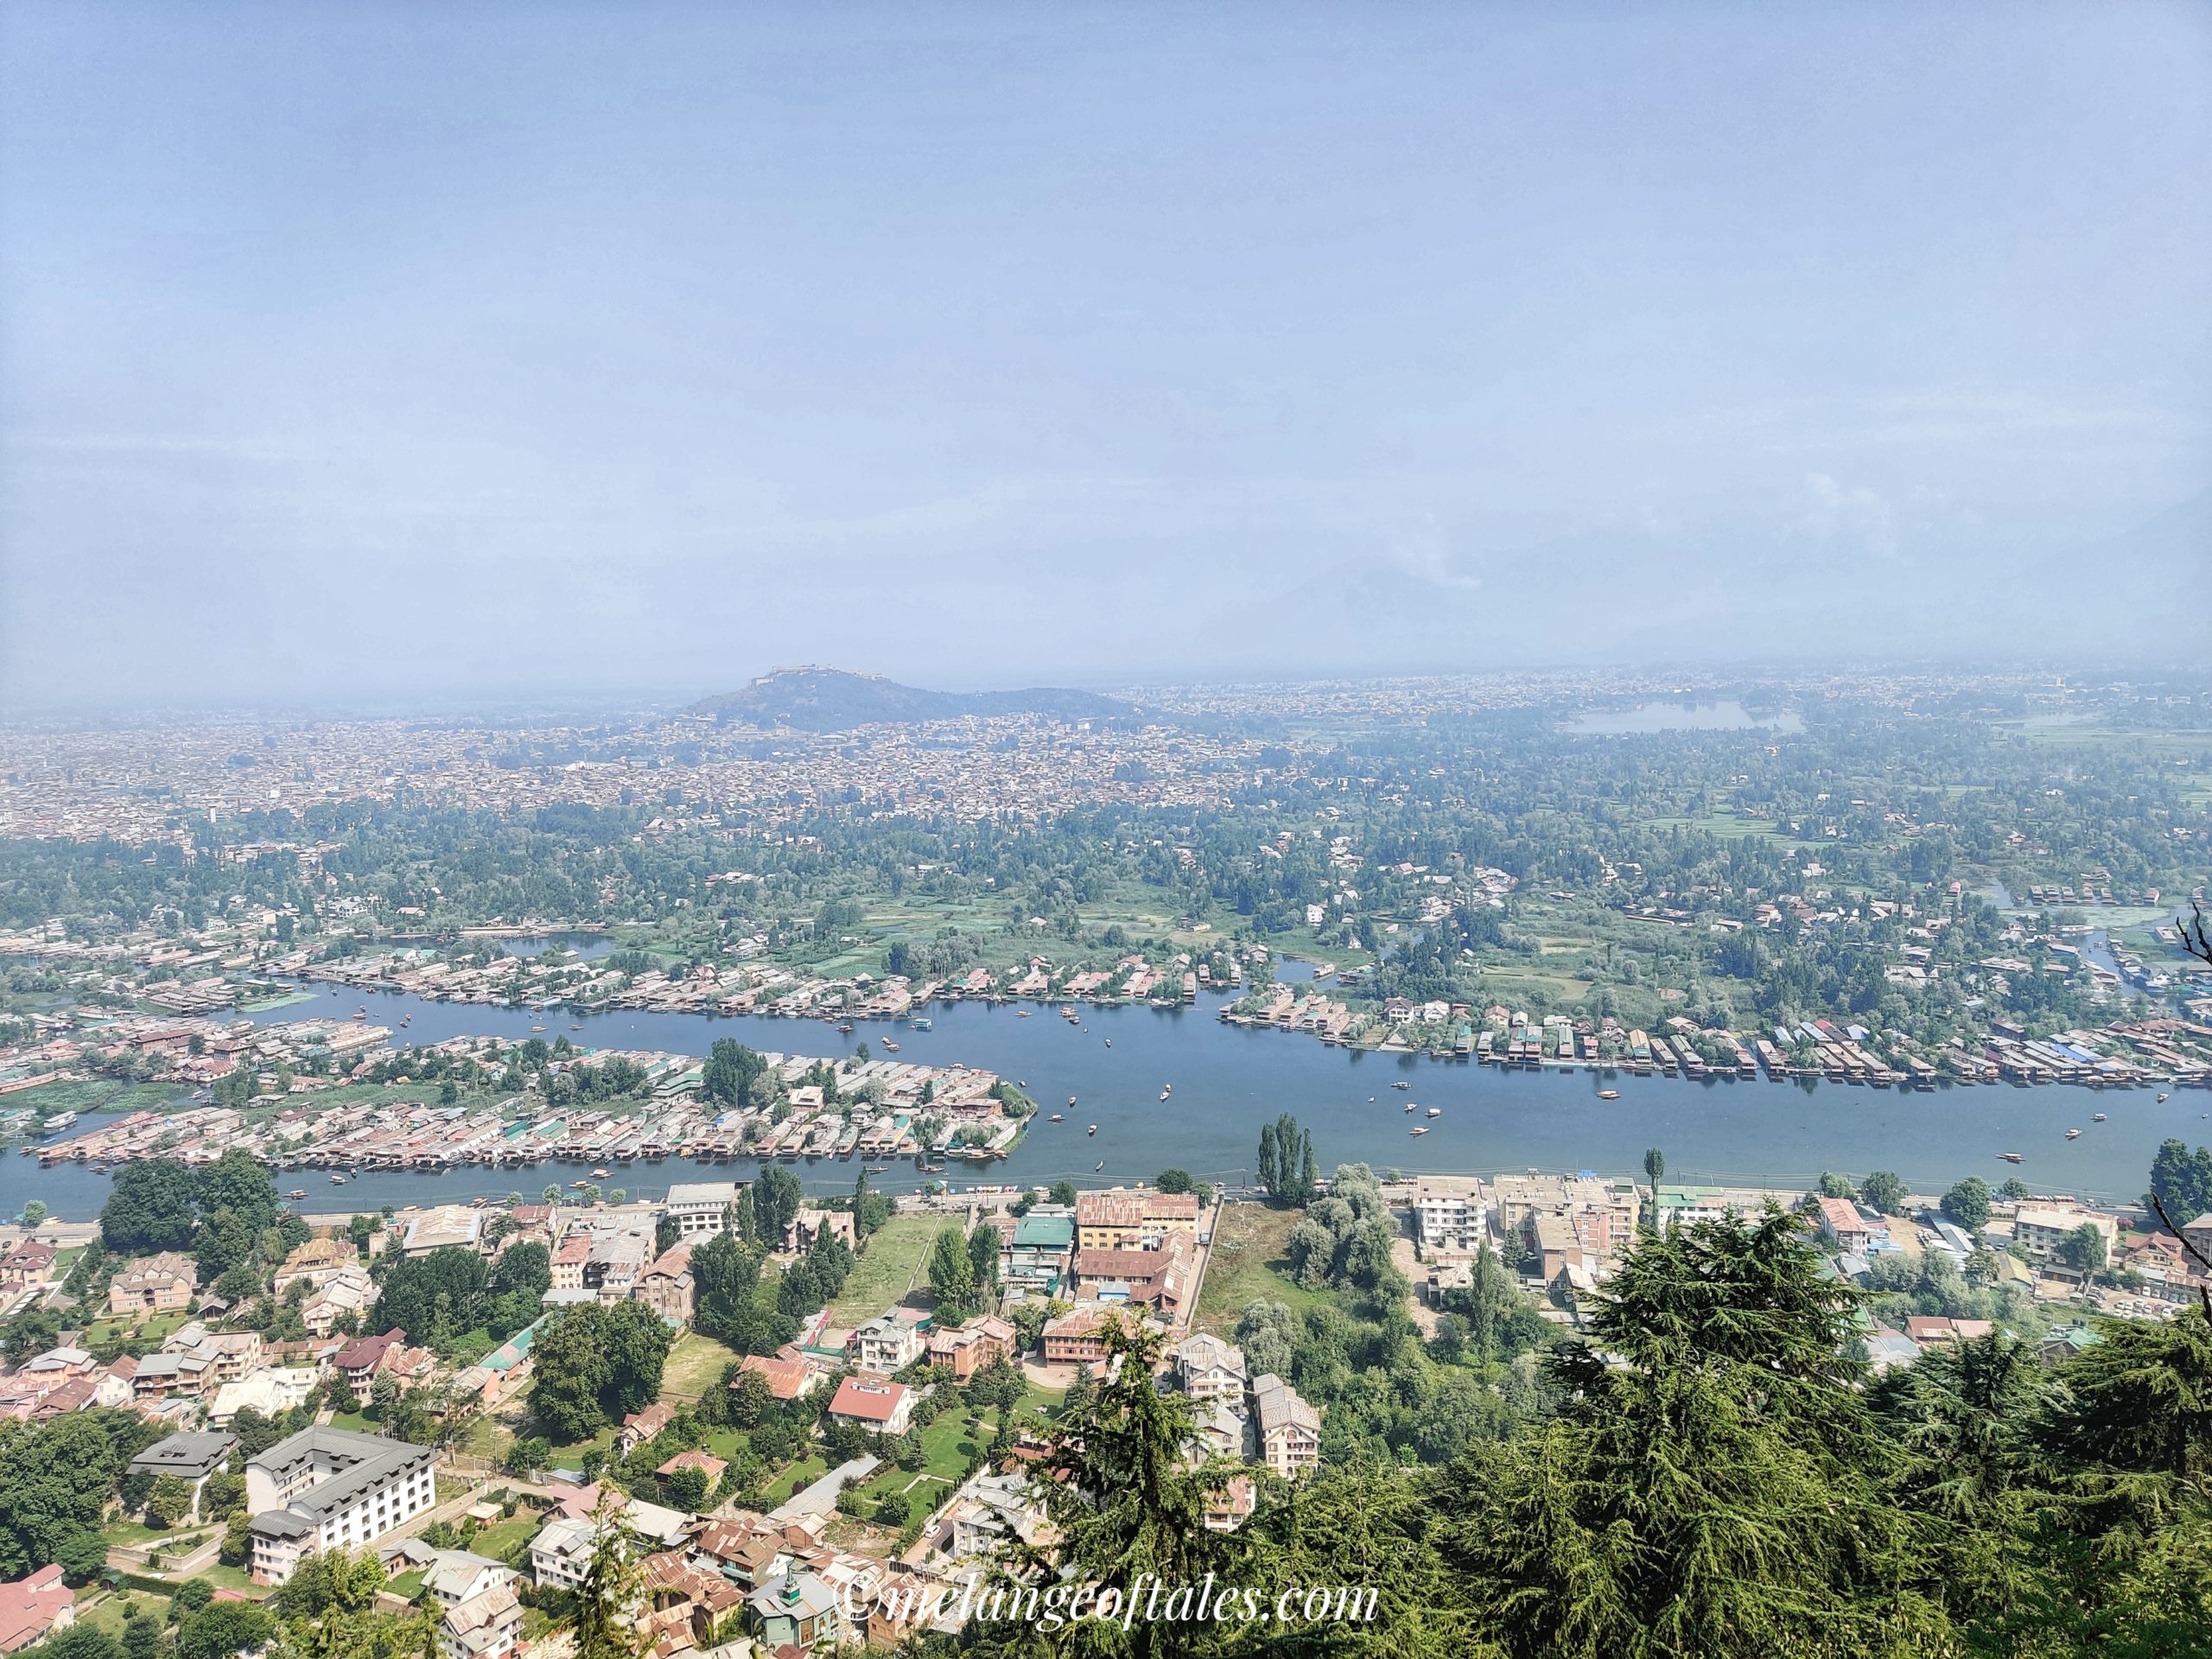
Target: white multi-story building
x=699, y=1208
x=331, y=1489
x=884, y=1346
x=2038, y=1227
x=1450, y=1222
x=1290, y=1430
x=1210, y=1369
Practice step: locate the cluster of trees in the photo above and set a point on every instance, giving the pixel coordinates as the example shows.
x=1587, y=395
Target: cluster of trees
x=1712, y=1471
x=595, y=1364
x=445, y=1294
x=56, y=1480
x=2182, y=1181
x=224, y=1213
x=964, y=1273
x=1345, y=1239
x=1287, y=1171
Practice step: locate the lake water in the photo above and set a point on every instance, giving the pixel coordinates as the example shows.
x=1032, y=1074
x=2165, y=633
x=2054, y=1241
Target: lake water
x=1227, y=1079
x=1724, y=716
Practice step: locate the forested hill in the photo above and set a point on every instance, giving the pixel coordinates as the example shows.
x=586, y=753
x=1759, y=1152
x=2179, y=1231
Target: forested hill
x=833, y=699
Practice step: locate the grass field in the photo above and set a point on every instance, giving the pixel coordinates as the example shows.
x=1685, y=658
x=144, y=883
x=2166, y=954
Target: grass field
x=508, y=1540
x=695, y=1365
x=895, y=1262
x=1247, y=1267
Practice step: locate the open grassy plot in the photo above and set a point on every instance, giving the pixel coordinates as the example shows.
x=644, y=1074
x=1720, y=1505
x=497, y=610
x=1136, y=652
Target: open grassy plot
x=895, y=1262
x=695, y=1364
x=508, y=1540
x=1247, y=1267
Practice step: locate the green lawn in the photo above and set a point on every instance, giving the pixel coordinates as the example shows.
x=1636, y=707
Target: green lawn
x=508, y=1540
x=1247, y=1267
x=695, y=1364
x=104, y=1612
x=896, y=1261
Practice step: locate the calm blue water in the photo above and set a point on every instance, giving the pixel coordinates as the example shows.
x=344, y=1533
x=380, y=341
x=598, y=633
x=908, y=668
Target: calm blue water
x=1725, y=715
x=1227, y=1080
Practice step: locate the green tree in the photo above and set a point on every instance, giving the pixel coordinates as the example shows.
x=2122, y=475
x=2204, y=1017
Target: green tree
x=1063, y=1194
x=1706, y=1488
x=1173, y=1181
x=594, y=1363
x=2083, y=1249
x=223, y=1628
x=952, y=1275
x=1968, y=1203
x=776, y=1199
x=1884, y=1192
x=604, y=1598
x=153, y=1205
x=983, y=1264
x=1654, y=1165
x=1124, y=1499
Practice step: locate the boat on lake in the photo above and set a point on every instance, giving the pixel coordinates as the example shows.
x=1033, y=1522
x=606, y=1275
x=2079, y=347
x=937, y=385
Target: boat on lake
x=1436, y=1111
x=1609, y=1093
x=2073, y=1135
x=2097, y=1118
x=2011, y=1157
x=1093, y=1129
x=1422, y=1129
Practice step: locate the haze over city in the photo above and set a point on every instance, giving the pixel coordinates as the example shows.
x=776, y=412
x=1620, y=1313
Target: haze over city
x=371, y=354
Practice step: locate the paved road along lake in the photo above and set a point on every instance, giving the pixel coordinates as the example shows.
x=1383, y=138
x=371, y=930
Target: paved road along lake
x=1227, y=1080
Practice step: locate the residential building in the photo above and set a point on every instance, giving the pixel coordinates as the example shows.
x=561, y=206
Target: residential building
x=486, y=1625
x=885, y=1345
x=1210, y=1369
x=1448, y=1221
x=272, y=1391
x=316, y=1263
x=159, y=1284
x=800, y=1231
x=1159, y=1279
x=1038, y=1258
x=700, y=1209
x=359, y=1360
x=1842, y=1222
x=345, y=1294
x=29, y=1265
x=34, y=1608
x=666, y=1285
x=1290, y=1430
x=444, y=1227
x=796, y=1612
x=331, y=1489
x=1078, y=1337
x=1125, y=1218
x=971, y=1348
x=874, y=1403
x=2038, y=1229
x=190, y=1457
x=641, y=1426
x=790, y=1373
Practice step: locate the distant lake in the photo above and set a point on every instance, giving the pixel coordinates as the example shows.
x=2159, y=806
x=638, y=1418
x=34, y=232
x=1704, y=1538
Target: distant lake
x=1727, y=716
x=1227, y=1079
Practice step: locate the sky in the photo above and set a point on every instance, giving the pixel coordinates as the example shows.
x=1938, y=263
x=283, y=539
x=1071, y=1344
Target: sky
x=354, y=354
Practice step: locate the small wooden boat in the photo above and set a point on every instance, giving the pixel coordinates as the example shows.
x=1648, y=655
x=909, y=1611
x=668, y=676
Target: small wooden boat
x=1402, y=1086
x=1436, y=1111
x=2073, y=1135
x=599, y=1175
x=2011, y=1157
x=1609, y=1093
x=1058, y=1117
x=1422, y=1130
x=2097, y=1118
x=297, y=1192
x=1100, y=1165
x=1093, y=1129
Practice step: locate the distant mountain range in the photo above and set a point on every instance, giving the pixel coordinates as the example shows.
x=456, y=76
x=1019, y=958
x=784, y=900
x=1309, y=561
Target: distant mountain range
x=832, y=700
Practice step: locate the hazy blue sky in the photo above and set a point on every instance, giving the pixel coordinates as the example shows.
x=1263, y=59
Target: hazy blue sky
x=435, y=349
